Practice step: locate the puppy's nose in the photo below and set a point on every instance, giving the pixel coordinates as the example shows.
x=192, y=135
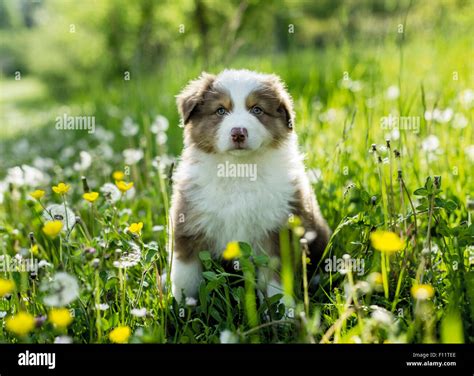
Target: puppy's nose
x=239, y=135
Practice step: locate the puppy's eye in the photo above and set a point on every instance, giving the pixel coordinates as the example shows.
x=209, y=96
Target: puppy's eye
x=221, y=111
x=256, y=110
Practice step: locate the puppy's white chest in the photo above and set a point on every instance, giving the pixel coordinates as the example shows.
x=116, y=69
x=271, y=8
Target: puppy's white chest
x=238, y=210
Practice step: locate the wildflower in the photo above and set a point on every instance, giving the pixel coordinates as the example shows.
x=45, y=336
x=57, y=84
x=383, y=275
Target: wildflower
x=430, y=143
x=62, y=290
x=422, y=292
x=227, y=336
x=59, y=212
x=90, y=196
x=123, y=186
x=160, y=125
x=6, y=287
x=129, y=128
x=37, y=194
x=190, y=301
x=232, y=251
x=138, y=312
x=118, y=175
x=20, y=324
x=85, y=163
x=111, y=192
x=63, y=340
x=157, y=228
x=136, y=228
x=52, y=228
x=132, y=156
x=120, y=334
x=386, y=241
x=102, y=306
x=392, y=93
x=34, y=249
x=375, y=278
x=60, y=317
x=129, y=259
x=61, y=188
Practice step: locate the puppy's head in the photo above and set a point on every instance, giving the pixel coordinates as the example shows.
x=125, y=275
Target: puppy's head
x=236, y=112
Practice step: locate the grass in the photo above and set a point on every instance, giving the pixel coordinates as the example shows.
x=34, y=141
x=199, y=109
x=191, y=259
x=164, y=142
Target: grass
x=416, y=186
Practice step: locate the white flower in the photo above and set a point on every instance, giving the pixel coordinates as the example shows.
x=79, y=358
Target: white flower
x=129, y=128
x=102, y=306
x=62, y=290
x=104, y=135
x=329, y=116
x=3, y=189
x=460, y=121
x=441, y=116
x=469, y=151
x=393, y=92
x=430, y=143
x=466, y=98
x=34, y=177
x=129, y=259
x=190, y=301
x=85, y=163
x=160, y=125
x=63, y=340
x=43, y=163
x=382, y=316
x=227, y=336
x=43, y=264
x=2, y=314
x=132, y=156
x=111, y=192
x=161, y=138
x=394, y=135
x=57, y=212
x=138, y=312
x=157, y=228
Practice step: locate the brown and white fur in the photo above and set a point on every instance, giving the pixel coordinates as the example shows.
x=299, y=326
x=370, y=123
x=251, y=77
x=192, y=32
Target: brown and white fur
x=238, y=117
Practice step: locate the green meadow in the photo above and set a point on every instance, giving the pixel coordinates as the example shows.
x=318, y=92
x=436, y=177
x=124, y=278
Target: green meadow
x=384, y=102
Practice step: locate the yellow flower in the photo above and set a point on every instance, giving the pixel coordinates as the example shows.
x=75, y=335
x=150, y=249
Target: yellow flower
x=34, y=249
x=118, y=175
x=123, y=186
x=6, y=287
x=422, y=292
x=38, y=194
x=90, y=196
x=376, y=278
x=120, y=334
x=52, y=228
x=61, y=188
x=20, y=324
x=60, y=317
x=136, y=228
x=386, y=241
x=232, y=251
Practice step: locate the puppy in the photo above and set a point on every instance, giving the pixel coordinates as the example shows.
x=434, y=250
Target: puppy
x=240, y=176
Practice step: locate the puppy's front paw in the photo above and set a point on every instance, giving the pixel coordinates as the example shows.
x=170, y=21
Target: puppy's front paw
x=185, y=278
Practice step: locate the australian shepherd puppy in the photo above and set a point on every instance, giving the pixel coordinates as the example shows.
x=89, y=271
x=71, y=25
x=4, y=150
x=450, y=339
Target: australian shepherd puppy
x=240, y=176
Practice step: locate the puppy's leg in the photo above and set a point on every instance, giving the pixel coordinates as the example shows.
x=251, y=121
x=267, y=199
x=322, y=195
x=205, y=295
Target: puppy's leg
x=317, y=230
x=185, y=276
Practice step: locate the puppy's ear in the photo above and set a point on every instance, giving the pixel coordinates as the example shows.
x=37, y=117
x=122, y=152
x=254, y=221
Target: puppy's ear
x=286, y=102
x=192, y=95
